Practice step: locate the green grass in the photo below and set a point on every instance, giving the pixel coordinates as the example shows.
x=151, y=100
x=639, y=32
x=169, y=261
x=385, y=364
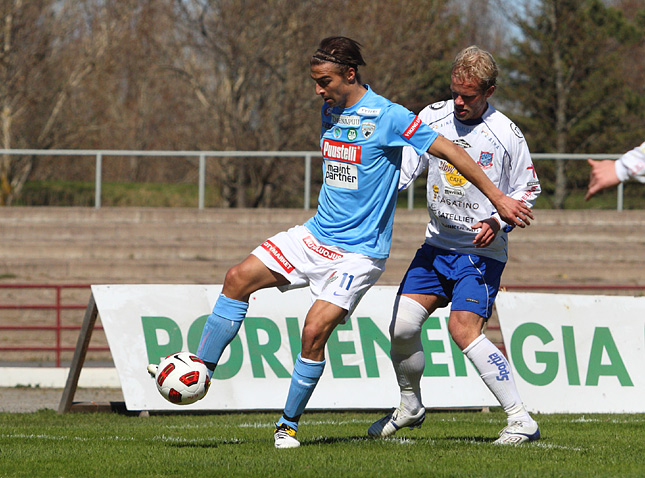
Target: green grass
x=45, y=444
x=122, y=194
x=80, y=193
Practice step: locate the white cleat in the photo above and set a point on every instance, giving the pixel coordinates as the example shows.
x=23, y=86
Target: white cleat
x=152, y=370
x=390, y=424
x=285, y=437
x=518, y=432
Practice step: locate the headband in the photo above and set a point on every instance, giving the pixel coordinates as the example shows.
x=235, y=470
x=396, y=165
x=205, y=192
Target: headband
x=326, y=56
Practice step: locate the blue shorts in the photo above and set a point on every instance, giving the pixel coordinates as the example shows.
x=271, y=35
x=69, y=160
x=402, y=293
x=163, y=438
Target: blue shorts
x=469, y=281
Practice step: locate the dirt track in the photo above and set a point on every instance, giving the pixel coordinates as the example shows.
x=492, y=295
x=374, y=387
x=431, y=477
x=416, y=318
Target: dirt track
x=25, y=400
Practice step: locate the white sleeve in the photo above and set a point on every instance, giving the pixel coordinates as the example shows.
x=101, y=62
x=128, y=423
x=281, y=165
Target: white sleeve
x=412, y=165
x=523, y=183
x=632, y=165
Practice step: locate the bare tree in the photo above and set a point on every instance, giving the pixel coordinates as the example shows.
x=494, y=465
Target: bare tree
x=41, y=67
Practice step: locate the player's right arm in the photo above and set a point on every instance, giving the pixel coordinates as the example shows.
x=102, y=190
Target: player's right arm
x=509, y=209
x=607, y=173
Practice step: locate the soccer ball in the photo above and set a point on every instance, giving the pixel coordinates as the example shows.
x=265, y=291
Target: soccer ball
x=182, y=378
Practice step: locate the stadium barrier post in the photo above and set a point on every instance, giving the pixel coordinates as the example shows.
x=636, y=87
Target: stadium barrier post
x=85, y=334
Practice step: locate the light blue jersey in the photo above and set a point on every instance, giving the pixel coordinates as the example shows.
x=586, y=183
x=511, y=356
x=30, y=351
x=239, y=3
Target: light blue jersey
x=362, y=148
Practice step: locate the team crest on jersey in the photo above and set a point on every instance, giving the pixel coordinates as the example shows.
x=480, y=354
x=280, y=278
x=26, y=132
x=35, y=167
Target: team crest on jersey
x=367, y=128
x=485, y=160
x=337, y=132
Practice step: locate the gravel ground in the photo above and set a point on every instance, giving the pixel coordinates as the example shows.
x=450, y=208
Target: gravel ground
x=26, y=400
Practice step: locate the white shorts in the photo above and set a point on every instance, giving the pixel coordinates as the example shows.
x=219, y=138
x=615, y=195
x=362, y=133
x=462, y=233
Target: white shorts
x=332, y=273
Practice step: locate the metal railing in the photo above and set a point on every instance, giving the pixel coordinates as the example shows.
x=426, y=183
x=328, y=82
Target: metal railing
x=203, y=155
x=57, y=327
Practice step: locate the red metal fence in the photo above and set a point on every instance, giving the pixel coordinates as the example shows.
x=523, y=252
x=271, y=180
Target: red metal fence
x=59, y=305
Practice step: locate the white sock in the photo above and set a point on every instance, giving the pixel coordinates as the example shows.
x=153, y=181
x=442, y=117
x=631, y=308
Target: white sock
x=496, y=373
x=407, y=354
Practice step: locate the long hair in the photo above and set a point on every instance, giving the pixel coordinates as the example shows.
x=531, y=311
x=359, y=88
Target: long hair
x=343, y=51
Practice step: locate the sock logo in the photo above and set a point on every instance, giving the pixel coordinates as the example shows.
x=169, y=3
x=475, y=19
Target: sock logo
x=502, y=365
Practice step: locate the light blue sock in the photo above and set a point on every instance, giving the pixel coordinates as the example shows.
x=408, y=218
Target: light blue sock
x=220, y=329
x=304, y=379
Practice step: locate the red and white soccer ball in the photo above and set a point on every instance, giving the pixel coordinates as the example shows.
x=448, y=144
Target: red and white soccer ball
x=182, y=378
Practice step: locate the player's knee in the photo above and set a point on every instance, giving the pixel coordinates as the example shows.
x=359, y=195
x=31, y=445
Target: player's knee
x=236, y=284
x=313, y=342
x=407, y=320
x=463, y=333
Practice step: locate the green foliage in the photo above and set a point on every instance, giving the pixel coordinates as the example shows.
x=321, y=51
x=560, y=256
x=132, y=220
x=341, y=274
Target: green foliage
x=567, y=83
x=45, y=444
x=80, y=193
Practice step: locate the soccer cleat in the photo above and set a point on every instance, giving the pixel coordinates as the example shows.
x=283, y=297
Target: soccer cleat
x=391, y=423
x=152, y=370
x=285, y=436
x=518, y=432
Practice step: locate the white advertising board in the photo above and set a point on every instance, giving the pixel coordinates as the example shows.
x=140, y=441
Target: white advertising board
x=576, y=353
x=144, y=323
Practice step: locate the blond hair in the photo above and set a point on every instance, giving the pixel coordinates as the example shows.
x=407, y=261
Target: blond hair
x=476, y=64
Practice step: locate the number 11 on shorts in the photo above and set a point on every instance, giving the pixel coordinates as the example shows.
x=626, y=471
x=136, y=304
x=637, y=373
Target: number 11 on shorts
x=346, y=278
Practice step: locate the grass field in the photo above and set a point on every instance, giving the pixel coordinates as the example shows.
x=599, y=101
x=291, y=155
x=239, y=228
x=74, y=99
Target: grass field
x=45, y=444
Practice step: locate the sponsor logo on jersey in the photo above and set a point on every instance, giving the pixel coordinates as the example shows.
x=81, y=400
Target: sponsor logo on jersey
x=341, y=175
x=367, y=128
x=414, y=126
x=346, y=120
x=276, y=253
x=448, y=191
x=438, y=105
x=321, y=250
x=533, y=183
x=350, y=153
x=453, y=177
x=337, y=132
x=455, y=217
x=368, y=111
x=462, y=142
x=352, y=134
x=435, y=190
x=485, y=160
x=457, y=203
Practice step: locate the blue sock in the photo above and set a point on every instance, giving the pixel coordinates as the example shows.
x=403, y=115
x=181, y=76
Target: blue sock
x=220, y=329
x=304, y=379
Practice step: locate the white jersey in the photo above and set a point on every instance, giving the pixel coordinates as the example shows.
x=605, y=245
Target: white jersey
x=631, y=165
x=454, y=204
